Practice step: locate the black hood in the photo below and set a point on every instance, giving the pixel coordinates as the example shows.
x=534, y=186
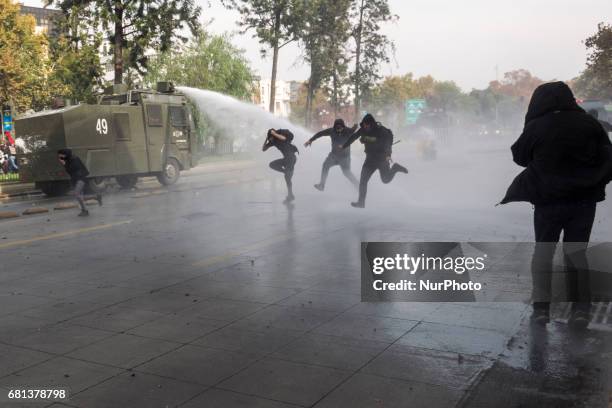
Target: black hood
x=551, y=97
x=368, y=119
x=339, y=122
x=65, y=152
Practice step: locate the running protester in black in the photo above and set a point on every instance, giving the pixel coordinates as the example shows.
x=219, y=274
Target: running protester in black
x=338, y=156
x=378, y=141
x=281, y=139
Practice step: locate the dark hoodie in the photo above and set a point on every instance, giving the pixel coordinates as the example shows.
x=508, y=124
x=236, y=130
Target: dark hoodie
x=74, y=166
x=338, y=139
x=377, y=140
x=565, y=151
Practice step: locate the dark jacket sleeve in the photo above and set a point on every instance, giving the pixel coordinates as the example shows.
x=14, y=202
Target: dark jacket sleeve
x=388, y=142
x=325, y=132
x=351, y=139
x=522, y=149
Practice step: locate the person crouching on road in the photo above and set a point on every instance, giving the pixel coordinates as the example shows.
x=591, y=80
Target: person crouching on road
x=378, y=141
x=338, y=156
x=281, y=139
x=78, y=177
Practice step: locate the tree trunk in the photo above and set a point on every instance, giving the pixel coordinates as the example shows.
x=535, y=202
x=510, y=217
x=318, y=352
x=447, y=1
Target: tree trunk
x=358, y=63
x=277, y=18
x=309, y=103
x=118, y=45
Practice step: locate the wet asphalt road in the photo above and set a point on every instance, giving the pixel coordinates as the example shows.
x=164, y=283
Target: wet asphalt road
x=212, y=293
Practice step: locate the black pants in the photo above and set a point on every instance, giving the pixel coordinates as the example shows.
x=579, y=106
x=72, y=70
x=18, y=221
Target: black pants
x=370, y=165
x=345, y=164
x=576, y=222
x=285, y=166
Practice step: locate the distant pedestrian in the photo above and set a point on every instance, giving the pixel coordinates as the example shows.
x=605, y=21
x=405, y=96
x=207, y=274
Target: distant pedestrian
x=378, y=142
x=566, y=154
x=78, y=177
x=338, y=156
x=281, y=139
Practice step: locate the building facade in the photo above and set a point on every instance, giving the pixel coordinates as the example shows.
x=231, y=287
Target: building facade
x=44, y=19
x=282, y=100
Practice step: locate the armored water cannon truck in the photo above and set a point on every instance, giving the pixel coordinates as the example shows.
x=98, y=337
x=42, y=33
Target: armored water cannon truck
x=126, y=135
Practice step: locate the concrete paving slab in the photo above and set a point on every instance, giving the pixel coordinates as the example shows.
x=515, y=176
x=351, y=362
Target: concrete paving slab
x=458, y=339
x=222, y=309
x=107, y=294
x=285, y=317
x=17, y=302
x=382, y=329
x=198, y=364
x=397, y=310
x=61, y=373
x=214, y=398
x=427, y=366
x=116, y=318
x=55, y=311
x=367, y=391
x=468, y=315
x=16, y=358
x=261, y=342
x=15, y=327
x=320, y=300
x=124, y=350
x=331, y=351
x=285, y=381
x=177, y=328
x=61, y=338
x=137, y=390
x=162, y=302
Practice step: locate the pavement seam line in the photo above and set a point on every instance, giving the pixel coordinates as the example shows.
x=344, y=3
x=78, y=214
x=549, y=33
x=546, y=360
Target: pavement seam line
x=63, y=234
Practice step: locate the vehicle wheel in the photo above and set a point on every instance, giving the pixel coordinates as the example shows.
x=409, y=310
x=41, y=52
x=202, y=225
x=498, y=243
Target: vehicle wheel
x=170, y=173
x=127, y=182
x=54, y=188
x=96, y=185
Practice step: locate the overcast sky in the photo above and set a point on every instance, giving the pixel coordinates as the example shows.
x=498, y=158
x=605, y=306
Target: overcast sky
x=461, y=41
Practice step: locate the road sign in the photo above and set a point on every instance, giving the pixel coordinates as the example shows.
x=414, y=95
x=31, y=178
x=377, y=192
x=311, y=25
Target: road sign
x=7, y=121
x=413, y=109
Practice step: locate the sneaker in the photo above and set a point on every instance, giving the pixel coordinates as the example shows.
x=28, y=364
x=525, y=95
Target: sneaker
x=319, y=187
x=399, y=168
x=578, y=320
x=540, y=317
x=358, y=204
x=99, y=199
x=289, y=199
x=84, y=213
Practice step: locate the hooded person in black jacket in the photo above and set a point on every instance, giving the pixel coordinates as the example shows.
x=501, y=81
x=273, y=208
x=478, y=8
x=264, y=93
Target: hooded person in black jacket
x=567, y=160
x=338, y=156
x=281, y=139
x=378, y=142
x=78, y=177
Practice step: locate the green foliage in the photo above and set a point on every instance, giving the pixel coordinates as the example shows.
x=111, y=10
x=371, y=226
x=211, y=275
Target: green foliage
x=596, y=80
x=323, y=34
x=76, y=57
x=25, y=69
x=274, y=21
x=371, y=47
x=207, y=62
x=132, y=27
